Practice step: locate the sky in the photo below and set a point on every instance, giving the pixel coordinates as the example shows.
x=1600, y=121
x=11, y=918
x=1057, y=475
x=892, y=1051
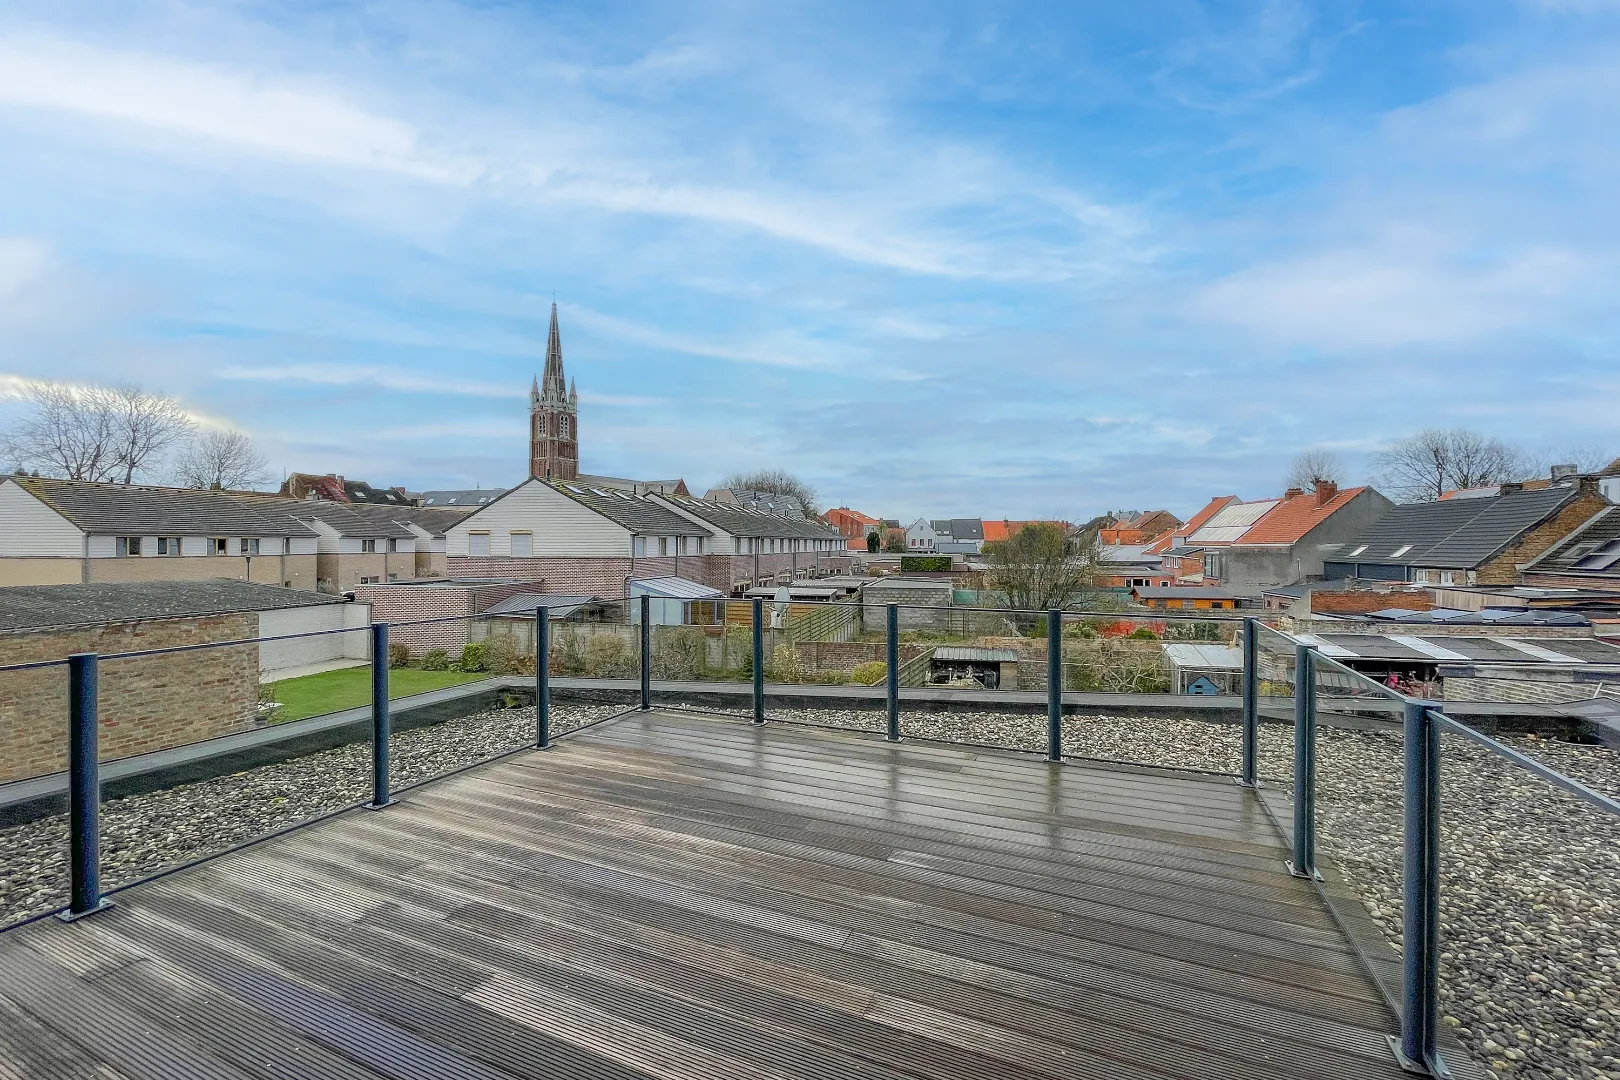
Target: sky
x=946, y=259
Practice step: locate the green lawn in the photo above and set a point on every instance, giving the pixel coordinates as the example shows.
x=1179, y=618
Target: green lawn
x=349, y=688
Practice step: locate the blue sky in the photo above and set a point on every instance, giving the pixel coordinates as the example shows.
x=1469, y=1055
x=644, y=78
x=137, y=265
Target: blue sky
x=985, y=258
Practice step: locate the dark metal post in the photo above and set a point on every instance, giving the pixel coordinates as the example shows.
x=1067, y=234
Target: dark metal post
x=1054, y=686
x=646, y=651
x=759, y=660
x=1303, y=863
x=1251, y=702
x=1420, y=895
x=542, y=677
x=379, y=715
x=84, y=788
x=893, y=673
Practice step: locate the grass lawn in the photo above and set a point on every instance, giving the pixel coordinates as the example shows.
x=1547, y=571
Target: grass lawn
x=350, y=688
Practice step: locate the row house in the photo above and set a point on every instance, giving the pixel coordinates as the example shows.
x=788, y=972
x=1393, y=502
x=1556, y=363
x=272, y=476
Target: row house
x=1138, y=527
x=1588, y=558
x=945, y=536
x=580, y=539
x=1471, y=541
x=853, y=526
x=66, y=531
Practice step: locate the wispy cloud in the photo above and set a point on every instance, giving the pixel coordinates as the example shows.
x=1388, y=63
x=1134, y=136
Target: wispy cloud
x=359, y=375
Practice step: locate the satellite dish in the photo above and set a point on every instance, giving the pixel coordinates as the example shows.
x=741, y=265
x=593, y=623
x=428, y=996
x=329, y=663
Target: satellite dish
x=779, y=606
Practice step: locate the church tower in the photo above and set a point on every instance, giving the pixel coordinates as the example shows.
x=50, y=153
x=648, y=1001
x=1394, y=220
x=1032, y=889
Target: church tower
x=553, y=417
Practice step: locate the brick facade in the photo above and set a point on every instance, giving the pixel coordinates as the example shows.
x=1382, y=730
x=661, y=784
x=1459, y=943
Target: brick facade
x=408, y=603
x=146, y=704
x=606, y=576
x=1504, y=569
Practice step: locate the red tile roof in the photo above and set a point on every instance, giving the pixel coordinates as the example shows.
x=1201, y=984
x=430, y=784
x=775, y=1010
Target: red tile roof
x=1295, y=516
x=1167, y=541
x=1004, y=529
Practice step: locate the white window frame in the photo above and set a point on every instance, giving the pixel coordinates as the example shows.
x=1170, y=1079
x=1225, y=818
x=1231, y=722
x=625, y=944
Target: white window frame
x=638, y=547
x=474, y=540
x=526, y=537
x=127, y=547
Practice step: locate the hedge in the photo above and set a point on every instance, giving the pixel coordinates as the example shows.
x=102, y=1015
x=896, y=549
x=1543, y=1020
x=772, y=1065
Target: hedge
x=925, y=563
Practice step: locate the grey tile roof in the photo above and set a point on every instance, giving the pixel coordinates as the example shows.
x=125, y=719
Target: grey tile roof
x=560, y=606
x=433, y=521
x=468, y=499
x=637, y=513
x=366, y=522
x=1451, y=533
x=36, y=607
x=118, y=510
x=959, y=528
x=743, y=521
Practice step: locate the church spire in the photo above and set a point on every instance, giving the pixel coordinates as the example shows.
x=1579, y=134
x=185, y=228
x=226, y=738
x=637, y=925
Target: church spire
x=553, y=386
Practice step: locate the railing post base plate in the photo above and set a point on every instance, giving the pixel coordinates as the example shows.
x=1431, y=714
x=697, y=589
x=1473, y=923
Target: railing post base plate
x=1416, y=1068
x=1308, y=875
x=75, y=916
x=379, y=805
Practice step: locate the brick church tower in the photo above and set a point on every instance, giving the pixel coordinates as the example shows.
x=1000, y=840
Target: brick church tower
x=553, y=417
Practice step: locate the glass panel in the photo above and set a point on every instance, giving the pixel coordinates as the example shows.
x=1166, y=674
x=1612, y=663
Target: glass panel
x=33, y=837
x=1529, y=893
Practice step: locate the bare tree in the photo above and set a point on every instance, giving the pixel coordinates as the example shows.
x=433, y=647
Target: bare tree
x=1586, y=458
x=145, y=426
x=1432, y=462
x=777, y=482
x=100, y=433
x=220, y=459
x=1042, y=566
x=1313, y=467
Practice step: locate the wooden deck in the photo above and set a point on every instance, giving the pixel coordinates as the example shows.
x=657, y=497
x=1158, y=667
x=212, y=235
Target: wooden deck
x=682, y=897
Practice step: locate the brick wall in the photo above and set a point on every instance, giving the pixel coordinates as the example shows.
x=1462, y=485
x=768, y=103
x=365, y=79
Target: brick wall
x=845, y=656
x=146, y=704
x=1359, y=603
x=267, y=569
x=606, y=576
x=1504, y=569
x=409, y=603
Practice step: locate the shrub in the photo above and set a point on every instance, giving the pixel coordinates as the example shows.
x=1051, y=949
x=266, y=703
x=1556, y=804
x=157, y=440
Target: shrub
x=785, y=665
x=472, y=657
x=435, y=660
x=870, y=673
x=1142, y=633
x=399, y=655
x=502, y=657
x=608, y=656
x=678, y=652
x=568, y=653
x=925, y=563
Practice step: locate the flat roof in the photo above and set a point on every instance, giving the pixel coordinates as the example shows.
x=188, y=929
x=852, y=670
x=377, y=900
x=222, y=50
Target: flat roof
x=46, y=607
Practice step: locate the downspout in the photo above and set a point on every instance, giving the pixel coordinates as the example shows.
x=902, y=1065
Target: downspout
x=84, y=562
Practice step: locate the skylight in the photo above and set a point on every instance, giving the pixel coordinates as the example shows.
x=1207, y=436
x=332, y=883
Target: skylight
x=1402, y=550
x=1358, y=551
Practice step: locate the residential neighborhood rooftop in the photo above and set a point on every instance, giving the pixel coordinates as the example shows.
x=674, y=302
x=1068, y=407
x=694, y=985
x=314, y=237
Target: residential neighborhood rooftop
x=38, y=607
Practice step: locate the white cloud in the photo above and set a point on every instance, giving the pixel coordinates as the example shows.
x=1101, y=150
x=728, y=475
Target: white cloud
x=361, y=375
x=22, y=261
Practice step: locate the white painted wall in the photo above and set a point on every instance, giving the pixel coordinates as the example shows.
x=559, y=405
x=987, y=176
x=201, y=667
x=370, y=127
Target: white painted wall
x=560, y=525
x=296, y=545
x=103, y=547
x=277, y=657
x=30, y=528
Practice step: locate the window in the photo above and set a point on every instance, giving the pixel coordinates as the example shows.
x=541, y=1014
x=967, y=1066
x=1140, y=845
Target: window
x=1420, y=576
x=128, y=547
x=219, y=546
x=522, y=545
x=1358, y=551
x=663, y=545
x=168, y=545
x=393, y=544
x=1402, y=550
x=478, y=544
x=1448, y=577
x=250, y=545
x=639, y=548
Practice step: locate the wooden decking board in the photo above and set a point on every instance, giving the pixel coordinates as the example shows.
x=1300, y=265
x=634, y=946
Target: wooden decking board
x=687, y=897
x=1179, y=912
x=558, y=934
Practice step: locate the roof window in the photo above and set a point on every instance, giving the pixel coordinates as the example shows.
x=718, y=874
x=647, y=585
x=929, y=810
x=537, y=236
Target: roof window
x=1358, y=551
x=1402, y=550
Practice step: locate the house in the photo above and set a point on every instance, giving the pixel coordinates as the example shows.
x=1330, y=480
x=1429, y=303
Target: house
x=356, y=548
x=1588, y=558
x=1127, y=566
x=1474, y=541
x=853, y=526
x=946, y=536
x=163, y=700
x=769, y=501
x=74, y=531
x=426, y=525
x=1185, y=597
x=635, y=487
x=1286, y=544
x=995, y=531
x=580, y=539
x=334, y=488
x=1184, y=562
x=1138, y=527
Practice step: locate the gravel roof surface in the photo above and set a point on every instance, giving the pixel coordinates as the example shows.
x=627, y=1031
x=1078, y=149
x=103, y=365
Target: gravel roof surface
x=1530, y=966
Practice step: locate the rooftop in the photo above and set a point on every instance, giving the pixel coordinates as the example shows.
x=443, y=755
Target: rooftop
x=1452, y=533
x=673, y=896
x=41, y=607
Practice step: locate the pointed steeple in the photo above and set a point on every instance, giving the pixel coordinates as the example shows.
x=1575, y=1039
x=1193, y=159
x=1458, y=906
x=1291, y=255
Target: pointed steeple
x=554, y=387
x=573, y=393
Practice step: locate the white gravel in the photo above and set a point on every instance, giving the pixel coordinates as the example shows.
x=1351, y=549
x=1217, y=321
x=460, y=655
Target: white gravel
x=1530, y=877
x=141, y=834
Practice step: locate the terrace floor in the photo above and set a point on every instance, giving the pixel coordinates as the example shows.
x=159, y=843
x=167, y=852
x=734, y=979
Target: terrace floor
x=678, y=896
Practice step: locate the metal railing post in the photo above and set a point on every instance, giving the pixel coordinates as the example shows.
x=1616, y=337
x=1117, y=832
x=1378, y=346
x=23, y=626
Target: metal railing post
x=542, y=677
x=1054, y=686
x=84, y=789
x=379, y=715
x=1251, y=702
x=646, y=652
x=1303, y=863
x=1420, y=895
x=892, y=675
x=759, y=659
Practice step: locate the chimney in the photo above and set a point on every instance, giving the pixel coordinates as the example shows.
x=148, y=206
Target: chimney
x=1512, y=488
x=1293, y=493
x=1326, y=490
x=1562, y=472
